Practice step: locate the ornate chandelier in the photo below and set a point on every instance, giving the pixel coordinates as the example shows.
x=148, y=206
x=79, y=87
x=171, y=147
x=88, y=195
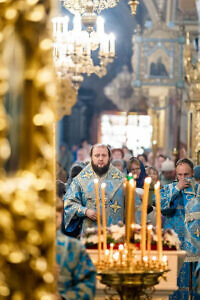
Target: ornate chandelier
x=72, y=49
x=88, y=9
x=83, y=5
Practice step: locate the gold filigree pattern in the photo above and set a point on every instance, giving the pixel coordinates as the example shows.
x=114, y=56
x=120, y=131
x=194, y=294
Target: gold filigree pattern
x=27, y=197
x=193, y=103
x=67, y=97
x=87, y=175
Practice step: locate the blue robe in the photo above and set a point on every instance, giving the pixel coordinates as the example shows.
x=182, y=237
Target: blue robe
x=198, y=277
x=81, y=195
x=77, y=276
x=182, y=213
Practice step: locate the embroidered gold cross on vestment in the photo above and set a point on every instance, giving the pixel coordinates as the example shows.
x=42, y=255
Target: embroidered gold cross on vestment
x=197, y=233
x=87, y=174
x=115, y=207
x=115, y=175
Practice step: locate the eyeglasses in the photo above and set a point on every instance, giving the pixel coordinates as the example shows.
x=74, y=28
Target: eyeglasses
x=135, y=170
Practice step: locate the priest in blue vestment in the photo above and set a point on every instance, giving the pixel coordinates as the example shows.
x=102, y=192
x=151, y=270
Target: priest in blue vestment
x=80, y=198
x=180, y=204
x=76, y=274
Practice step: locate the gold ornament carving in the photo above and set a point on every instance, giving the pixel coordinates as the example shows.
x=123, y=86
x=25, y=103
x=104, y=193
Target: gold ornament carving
x=27, y=198
x=193, y=103
x=67, y=97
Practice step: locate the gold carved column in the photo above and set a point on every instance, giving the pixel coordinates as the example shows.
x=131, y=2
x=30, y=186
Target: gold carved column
x=27, y=205
x=158, y=124
x=193, y=143
x=193, y=103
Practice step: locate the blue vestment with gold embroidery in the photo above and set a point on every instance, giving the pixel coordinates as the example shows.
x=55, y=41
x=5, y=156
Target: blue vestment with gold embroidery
x=81, y=196
x=182, y=213
x=77, y=274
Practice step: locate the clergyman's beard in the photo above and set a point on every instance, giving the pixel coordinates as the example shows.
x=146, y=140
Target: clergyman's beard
x=100, y=170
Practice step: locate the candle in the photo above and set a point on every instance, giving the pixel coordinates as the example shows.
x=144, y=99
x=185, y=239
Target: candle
x=121, y=248
x=65, y=25
x=164, y=261
x=129, y=209
x=104, y=217
x=112, y=43
x=116, y=257
x=133, y=202
x=158, y=220
x=106, y=257
x=149, y=230
x=96, y=185
x=144, y=215
x=100, y=26
x=126, y=194
x=111, y=253
x=126, y=199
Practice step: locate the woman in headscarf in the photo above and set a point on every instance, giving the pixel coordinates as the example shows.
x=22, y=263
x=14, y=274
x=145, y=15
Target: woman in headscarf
x=136, y=167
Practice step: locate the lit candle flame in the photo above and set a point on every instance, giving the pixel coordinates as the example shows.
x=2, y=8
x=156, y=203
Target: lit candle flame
x=164, y=258
x=148, y=180
x=149, y=227
x=116, y=256
x=145, y=258
x=131, y=181
x=157, y=185
x=103, y=185
x=121, y=247
x=154, y=258
x=107, y=252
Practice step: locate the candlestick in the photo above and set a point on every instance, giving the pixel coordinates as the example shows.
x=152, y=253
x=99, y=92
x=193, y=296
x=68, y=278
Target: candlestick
x=158, y=220
x=144, y=215
x=96, y=185
x=103, y=186
x=149, y=230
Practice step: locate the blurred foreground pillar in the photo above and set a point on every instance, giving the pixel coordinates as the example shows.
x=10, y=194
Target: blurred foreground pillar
x=27, y=180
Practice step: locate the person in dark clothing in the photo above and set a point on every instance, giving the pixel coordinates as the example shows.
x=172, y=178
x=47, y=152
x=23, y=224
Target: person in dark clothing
x=75, y=170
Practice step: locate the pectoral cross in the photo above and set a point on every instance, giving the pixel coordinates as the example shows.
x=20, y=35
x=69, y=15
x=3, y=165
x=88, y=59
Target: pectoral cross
x=115, y=207
x=197, y=233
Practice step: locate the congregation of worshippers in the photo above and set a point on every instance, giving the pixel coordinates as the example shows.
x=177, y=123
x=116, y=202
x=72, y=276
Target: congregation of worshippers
x=76, y=209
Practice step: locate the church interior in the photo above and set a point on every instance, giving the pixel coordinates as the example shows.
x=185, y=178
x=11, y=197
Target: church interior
x=76, y=73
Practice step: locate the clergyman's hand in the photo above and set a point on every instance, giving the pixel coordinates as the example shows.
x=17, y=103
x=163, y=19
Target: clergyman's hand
x=91, y=214
x=182, y=184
